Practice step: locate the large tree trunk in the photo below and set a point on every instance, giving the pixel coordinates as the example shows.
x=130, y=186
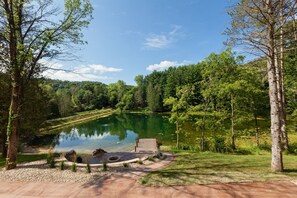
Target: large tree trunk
x=285, y=139
x=276, y=148
x=13, y=127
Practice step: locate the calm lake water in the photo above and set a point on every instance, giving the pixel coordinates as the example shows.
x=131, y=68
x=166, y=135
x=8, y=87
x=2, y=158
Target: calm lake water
x=118, y=133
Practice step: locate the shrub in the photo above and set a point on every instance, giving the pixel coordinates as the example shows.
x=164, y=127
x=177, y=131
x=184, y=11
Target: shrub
x=150, y=158
x=49, y=157
x=204, y=145
x=52, y=163
x=104, y=167
x=88, y=168
x=184, y=148
x=73, y=167
x=140, y=162
x=126, y=165
x=219, y=144
x=62, y=166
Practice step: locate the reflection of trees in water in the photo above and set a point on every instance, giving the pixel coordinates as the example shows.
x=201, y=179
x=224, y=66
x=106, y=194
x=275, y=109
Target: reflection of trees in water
x=147, y=126
x=144, y=125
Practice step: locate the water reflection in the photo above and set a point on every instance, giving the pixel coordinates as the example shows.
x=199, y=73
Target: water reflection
x=115, y=133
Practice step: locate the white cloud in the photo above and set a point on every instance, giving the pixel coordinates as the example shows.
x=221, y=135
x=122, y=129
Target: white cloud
x=103, y=69
x=82, y=73
x=163, y=65
x=163, y=40
x=157, y=41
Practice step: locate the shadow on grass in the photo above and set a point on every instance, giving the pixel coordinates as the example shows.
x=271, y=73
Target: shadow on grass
x=290, y=170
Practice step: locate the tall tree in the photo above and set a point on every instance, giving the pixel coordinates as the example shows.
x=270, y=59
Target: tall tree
x=179, y=107
x=256, y=24
x=30, y=33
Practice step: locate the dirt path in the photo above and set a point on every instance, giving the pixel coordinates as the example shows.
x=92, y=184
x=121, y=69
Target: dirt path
x=126, y=185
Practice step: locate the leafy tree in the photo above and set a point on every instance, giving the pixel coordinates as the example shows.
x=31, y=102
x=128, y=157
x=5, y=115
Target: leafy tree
x=29, y=35
x=256, y=24
x=179, y=108
x=140, y=93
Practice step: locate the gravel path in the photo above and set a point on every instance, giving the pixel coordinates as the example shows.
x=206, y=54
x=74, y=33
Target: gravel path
x=38, y=171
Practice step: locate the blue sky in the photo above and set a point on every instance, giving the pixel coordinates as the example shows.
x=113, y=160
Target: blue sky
x=131, y=37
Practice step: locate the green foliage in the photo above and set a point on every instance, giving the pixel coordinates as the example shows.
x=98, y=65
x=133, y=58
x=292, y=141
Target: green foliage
x=219, y=144
x=88, y=168
x=73, y=167
x=152, y=159
x=52, y=163
x=179, y=107
x=104, y=166
x=140, y=162
x=126, y=165
x=62, y=166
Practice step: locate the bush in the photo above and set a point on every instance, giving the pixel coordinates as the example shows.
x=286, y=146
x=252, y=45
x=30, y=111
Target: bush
x=150, y=158
x=62, y=166
x=293, y=148
x=184, y=148
x=52, y=163
x=205, y=144
x=49, y=157
x=73, y=167
x=219, y=144
x=126, y=165
x=104, y=167
x=140, y=162
x=88, y=168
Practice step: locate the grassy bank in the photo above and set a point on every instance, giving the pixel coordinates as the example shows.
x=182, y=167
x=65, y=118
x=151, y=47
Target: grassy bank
x=75, y=119
x=21, y=158
x=207, y=167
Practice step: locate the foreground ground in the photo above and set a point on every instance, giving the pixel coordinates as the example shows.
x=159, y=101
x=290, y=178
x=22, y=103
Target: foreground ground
x=173, y=177
x=128, y=187
x=126, y=184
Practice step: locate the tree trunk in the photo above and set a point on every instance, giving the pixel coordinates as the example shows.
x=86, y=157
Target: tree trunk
x=232, y=123
x=177, y=135
x=257, y=130
x=203, y=133
x=276, y=148
x=284, y=135
x=13, y=127
x=4, y=146
x=204, y=128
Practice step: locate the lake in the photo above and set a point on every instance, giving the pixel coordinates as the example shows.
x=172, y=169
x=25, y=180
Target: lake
x=117, y=132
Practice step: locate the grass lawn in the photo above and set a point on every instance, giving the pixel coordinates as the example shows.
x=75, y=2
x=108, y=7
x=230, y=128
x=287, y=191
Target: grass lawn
x=75, y=119
x=21, y=158
x=207, y=167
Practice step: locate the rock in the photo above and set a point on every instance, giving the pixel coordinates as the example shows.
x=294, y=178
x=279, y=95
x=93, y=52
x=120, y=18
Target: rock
x=71, y=156
x=98, y=152
x=79, y=159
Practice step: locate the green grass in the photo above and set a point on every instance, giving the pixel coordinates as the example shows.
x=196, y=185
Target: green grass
x=207, y=167
x=75, y=119
x=21, y=158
